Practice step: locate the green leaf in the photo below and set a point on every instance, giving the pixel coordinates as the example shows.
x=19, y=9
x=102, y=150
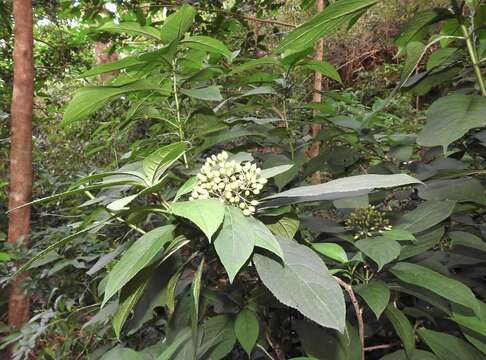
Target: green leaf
x=323, y=23
x=376, y=294
x=198, y=212
x=125, y=63
x=415, y=51
x=226, y=136
x=186, y=188
x=180, y=339
x=196, y=292
x=252, y=63
x=89, y=99
x=439, y=57
x=448, y=347
x=247, y=329
x=208, y=44
x=462, y=238
x=121, y=353
x=450, y=117
x=137, y=257
x=285, y=226
x=414, y=29
x=129, y=296
x=426, y=215
x=59, y=244
x=327, y=344
x=274, y=171
x=263, y=237
x=324, y=68
x=160, y=160
x=210, y=93
x=121, y=204
x=465, y=189
x=303, y=283
x=448, y=288
x=332, y=251
x=379, y=249
x=424, y=242
x=4, y=257
x=415, y=355
x=219, y=336
x=177, y=24
x=344, y=187
x=402, y=327
x=131, y=28
x=232, y=244
x=471, y=321
x=398, y=235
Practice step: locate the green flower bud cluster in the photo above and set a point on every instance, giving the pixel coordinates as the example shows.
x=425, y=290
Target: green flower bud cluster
x=233, y=183
x=367, y=222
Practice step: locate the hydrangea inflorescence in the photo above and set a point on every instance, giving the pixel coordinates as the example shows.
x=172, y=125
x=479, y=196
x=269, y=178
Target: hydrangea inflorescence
x=233, y=183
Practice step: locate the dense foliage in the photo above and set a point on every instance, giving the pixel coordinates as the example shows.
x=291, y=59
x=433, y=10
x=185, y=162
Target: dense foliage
x=188, y=222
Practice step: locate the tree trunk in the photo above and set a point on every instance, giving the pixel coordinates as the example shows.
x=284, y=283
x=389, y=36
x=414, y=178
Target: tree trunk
x=315, y=147
x=21, y=150
x=103, y=57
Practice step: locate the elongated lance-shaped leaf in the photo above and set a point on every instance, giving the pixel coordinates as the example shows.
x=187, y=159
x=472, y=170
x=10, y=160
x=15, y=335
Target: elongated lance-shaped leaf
x=160, y=160
x=89, y=99
x=324, y=23
x=59, y=244
x=137, y=257
x=177, y=24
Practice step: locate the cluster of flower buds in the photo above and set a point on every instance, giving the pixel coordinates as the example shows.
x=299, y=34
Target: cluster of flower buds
x=233, y=183
x=367, y=222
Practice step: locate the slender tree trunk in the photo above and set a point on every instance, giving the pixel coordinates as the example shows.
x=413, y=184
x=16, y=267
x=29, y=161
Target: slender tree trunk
x=103, y=57
x=21, y=150
x=315, y=147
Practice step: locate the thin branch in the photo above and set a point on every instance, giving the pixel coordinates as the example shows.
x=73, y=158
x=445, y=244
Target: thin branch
x=229, y=13
x=357, y=310
x=380, y=347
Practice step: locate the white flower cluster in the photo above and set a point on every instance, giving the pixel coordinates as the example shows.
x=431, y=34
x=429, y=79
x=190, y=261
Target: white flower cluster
x=232, y=183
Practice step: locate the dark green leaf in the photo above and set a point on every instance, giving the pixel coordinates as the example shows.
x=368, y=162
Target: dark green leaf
x=324, y=68
x=379, y=249
x=208, y=44
x=332, y=251
x=448, y=288
x=376, y=294
x=402, y=327
x=448, y=347
x=232, y=243
x=345, y=187
x=160, y=160
x=450, y=117
x=137, y=257
x=131, y=28
x=462, y=238
x=303, y=283
x=177, y=24
x=247, y=329
x=327, y=21
x=426, y=215
x=197, y=211
x=210, y=93
x=89, y=99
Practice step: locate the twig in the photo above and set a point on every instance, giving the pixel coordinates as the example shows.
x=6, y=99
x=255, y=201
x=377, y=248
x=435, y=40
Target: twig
x=229, y=13
x=380, y=347
x=357, y=310
x=265, y=351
